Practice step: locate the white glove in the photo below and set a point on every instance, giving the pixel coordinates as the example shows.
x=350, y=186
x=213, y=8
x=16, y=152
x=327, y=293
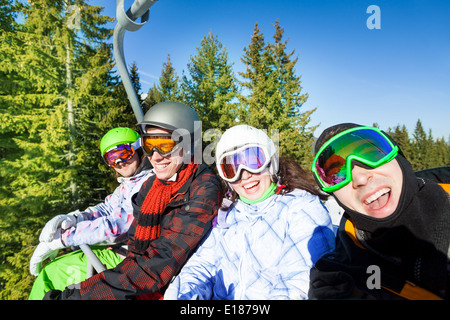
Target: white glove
x=43, y=251
x=63, y=221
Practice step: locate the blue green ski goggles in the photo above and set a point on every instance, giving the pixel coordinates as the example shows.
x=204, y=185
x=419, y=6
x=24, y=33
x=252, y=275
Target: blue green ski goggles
x=332, y=164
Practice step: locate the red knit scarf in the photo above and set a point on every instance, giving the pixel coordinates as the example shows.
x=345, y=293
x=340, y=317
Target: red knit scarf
x=149, y=220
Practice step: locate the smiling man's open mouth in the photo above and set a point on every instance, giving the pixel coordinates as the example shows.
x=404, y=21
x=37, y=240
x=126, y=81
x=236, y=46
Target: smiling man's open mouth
x=379, y=199
x=161, y=166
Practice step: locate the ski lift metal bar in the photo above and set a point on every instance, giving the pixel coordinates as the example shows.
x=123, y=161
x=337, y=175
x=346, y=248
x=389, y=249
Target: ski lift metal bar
x=93, y=260
x=126, y=21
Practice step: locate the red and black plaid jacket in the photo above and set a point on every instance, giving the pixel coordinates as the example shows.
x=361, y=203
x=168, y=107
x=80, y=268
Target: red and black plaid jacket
x=186, y=220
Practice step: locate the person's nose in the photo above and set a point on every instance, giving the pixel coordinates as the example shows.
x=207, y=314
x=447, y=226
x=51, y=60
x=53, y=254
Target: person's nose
x=245, y=175
x=156, y=156
x=360, y=176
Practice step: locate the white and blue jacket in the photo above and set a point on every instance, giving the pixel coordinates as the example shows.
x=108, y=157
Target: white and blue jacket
x=106, y=222
x=259, y=251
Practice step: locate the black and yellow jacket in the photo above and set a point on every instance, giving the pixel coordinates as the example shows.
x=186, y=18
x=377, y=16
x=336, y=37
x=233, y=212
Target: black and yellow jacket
x=346, y=273
x=405, y=256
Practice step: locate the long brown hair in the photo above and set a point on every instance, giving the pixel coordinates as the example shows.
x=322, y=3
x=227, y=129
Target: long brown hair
x=293, y=176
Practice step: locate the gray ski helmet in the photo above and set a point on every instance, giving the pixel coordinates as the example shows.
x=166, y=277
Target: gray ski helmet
x=170, y=115
x=180, y=119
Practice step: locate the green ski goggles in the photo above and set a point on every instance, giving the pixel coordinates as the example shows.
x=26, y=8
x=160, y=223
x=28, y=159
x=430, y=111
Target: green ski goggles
x=332, y=165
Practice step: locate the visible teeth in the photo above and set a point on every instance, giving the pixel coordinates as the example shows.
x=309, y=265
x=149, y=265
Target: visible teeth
x=376, y=195
x=251, y=185
x=161, y=166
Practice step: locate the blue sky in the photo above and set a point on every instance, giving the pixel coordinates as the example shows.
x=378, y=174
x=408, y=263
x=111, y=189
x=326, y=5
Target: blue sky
x=393, y=75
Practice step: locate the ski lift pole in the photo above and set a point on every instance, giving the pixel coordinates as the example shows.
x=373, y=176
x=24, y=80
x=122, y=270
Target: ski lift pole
x=126, y=21
x=93, y=260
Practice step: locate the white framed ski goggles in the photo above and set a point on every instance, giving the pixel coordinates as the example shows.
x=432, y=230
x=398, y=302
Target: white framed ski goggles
x=252, y=158
x=332, y=165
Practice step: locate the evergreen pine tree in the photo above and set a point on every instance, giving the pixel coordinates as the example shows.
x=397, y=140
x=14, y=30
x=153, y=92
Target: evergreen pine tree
x=211, y=85
x=295, y=136
x=256, y=83
x=168, y=82
x=432, y=156
x=275, y=98
x=442, y=153
x=421, y=148
x=51, y=61
x=423, y=151
x=401, y=136
x=167, y=89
